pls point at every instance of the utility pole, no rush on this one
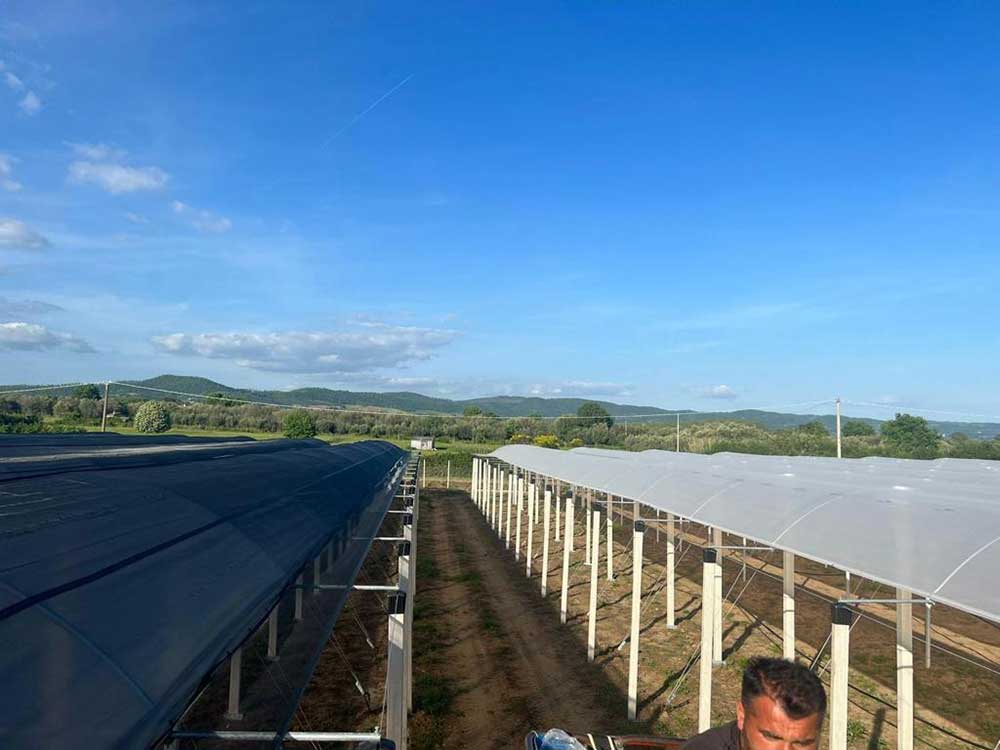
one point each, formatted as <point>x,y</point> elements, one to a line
<point>104,414</point>
<point>839,453</point>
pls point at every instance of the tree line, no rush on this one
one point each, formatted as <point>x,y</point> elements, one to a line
<point>905,436</point>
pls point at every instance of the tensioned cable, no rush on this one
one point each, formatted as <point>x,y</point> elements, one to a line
<point>896,407</point>
<point>41,388</point>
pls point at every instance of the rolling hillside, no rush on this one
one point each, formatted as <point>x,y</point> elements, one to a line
<point>504,406</point>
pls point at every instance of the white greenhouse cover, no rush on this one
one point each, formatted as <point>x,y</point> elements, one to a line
<point>929,526</point>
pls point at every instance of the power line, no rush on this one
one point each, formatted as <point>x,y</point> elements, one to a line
<point>40,388</point>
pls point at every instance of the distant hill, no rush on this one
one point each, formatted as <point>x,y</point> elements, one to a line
<point>504,406</point>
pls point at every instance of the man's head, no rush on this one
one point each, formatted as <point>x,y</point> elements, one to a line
<point>782,706</point>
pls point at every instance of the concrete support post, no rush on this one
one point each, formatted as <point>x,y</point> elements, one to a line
<point>707,638</point>
<point>567,550</point>
<point>558,503</point>
<point>520,513</point>
<point>299,583</point>
<point>788,607</point>
<point>717,592</point>
<point>671,570</point>
<point>235,677</point>
<point>473,486</point>
<point>404,561</point>
<point>595,555</point>
<point>840,641</point>
<point>395,700</point>
<point>272,633</point>
<point>611,542</point>
<point>586,557</point>
<point>546,510</point>
<point>570,536</point>
<point>510,499</point>
<point>633,642</point>
<point>411,600</point>
<point>904,671</point>
<point>531,529</point>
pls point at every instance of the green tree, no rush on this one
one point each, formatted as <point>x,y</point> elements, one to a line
<point>152,416</point>
<point>87,391</point>
<point>910,436</point>
<point>815,427</point>
<point>299,423</point>
<point>857,428</point>
<point>472,411</point>
<point>594,413</point>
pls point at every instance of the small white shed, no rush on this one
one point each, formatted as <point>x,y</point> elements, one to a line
<point>424,443</point>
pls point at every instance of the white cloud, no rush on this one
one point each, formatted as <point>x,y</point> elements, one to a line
<point>717,391</point>
<point>96,151</point>
<point>136,218</point>
<point>30,104</point>
<point>33,337</point>
<point>13,82</point>
<point>203,221</point>
<point>117,178</point>
<point>16,235</point>
<point>7,182</point>
<point>379,346</point>
<point>22,308</point>
<point>579,389</point>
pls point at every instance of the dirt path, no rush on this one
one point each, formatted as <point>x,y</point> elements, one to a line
<point>505,674</point>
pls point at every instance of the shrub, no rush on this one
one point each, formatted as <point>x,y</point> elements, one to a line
<point>152,416</point>
<point>547,441</point>
<point>299,424</point>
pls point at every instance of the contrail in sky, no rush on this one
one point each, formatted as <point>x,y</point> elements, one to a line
<point>364,112</point>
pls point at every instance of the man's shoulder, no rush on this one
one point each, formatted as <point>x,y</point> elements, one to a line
<point>725,737</point>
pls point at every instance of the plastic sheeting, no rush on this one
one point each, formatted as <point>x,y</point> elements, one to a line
<point>130,568</point>
<point>929,526</point>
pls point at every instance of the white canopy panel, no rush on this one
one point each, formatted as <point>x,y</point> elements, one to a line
<point>930,526</point>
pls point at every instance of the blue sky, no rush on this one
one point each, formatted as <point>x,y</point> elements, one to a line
<point>690,205</point>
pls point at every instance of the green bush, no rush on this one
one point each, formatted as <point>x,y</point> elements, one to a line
<point>547,441</point>
<point>299,424</point>
<point>20,423</point>
<point>152,416</point>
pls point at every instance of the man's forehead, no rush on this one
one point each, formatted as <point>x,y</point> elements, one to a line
<point>770,714</point>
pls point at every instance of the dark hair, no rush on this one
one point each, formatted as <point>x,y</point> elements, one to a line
<point>796,689</point>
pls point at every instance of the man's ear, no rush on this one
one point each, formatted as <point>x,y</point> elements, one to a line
<point>741,715</point>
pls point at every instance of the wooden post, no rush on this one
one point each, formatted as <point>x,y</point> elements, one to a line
<point>707,637</point>
<point>788,607</point>
<point>567,550</point>
<point>633,643</point>
<point>595,554</point>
